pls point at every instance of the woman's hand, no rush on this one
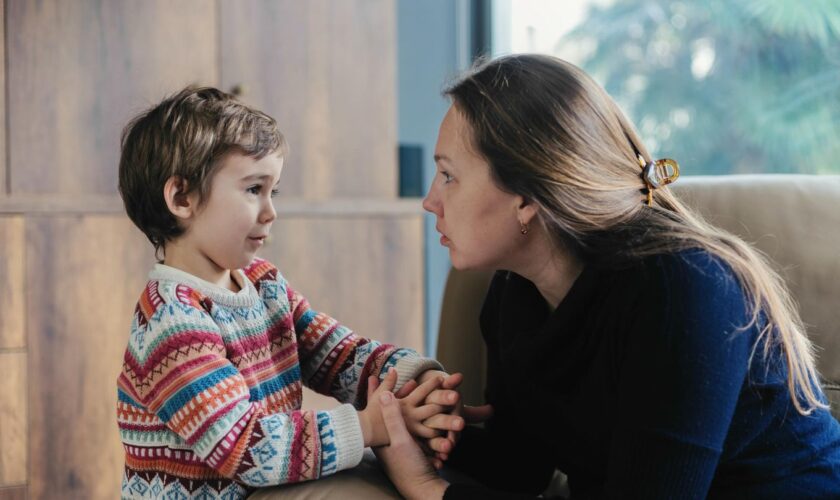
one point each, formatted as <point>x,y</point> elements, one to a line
<point>452,423</point>
<point>403,460</point>
<point>370,419</point>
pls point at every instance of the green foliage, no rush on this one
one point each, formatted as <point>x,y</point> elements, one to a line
<point>723,86</point>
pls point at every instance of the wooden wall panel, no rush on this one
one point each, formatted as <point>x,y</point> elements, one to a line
<point>77,71</point>
<point>365,272</point>
<point>326,70</point>
<point>3,164</point>
<point>84,275</point>
<point>16,493</point>
<point>11,283</point>
<point>13,415</point>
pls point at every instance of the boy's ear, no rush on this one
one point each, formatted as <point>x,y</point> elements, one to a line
<point>177,200</point>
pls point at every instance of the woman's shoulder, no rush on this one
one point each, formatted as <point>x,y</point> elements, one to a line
<point>696,273</point>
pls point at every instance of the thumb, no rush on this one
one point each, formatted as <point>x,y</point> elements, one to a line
<point>373,383</point>
<point>476,414</point>
<point>392,416</point>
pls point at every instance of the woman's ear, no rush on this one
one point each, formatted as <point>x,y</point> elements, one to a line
<point>181,204</point>
<point>526,211</point>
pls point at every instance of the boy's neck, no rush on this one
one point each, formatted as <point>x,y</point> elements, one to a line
<point>202,268</point>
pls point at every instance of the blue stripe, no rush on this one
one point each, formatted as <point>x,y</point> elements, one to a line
<point>329,453</point>
<point>123,397</point>
<point>276,383</point>
<point>187,393</point>
<point>304,320</point>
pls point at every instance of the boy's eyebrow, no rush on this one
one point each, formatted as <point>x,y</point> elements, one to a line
<point>439,158</point>
<point>258,177</point>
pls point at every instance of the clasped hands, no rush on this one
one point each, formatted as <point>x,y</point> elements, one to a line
<point>431,409</point>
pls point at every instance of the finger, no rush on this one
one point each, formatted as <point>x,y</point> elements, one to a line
<point>443,397</point>
<point>422,443</point>
<point>392,416</point>
<point>453,436</point>
<point>406,389</point>
<point>419,394</point>
<point>373,383</point>
<point>420,430</point>
<point>440,445</point>
<point>477,414</point>
<point>444,422</point>
<point>453,381</point>
<point>390,380</point>
<point>421,413</point>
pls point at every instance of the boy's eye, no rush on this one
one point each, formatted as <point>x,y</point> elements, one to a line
<point>275,193</point>
<point>254,189</point>
<point>446,177</point>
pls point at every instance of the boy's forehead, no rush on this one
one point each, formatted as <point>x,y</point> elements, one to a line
<point>238,164</point>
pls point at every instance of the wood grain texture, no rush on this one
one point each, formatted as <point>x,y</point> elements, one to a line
<point>112,204</point>
<point>13,416</point>
<point>77,71</point>
<point>326,70</point>
<point>3,163</point>
<point>12,334</point>
<point>365,272</point>
<point>15,493</point>
<point>84,275</point>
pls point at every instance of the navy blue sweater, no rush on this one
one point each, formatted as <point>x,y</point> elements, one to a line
<point>640,385</point>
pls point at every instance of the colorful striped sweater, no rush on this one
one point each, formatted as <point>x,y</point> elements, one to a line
<point>209,397</point>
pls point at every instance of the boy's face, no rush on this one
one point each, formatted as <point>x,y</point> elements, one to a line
<point>235,219</point>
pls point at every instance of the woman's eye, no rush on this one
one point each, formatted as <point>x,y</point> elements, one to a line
<point>275,193</point>
<point>254,189</point>
<point>446,177</point>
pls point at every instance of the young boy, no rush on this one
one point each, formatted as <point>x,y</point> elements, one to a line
<point>210,390</point>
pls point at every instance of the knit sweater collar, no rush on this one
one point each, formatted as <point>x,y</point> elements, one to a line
<point>247,296</point>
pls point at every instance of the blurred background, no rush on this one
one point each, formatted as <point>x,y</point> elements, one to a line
<point>723,86</point>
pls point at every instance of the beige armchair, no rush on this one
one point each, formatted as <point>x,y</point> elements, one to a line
<point>795,219</point>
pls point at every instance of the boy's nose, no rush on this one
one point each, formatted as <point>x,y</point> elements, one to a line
<point>269,213</point>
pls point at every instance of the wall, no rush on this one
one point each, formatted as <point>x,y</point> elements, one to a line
<point>72,265</point>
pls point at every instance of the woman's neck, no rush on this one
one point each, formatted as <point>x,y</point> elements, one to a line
<point>553,271</point>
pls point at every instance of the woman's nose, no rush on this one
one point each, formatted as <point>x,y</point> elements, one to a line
<point>430,202</point>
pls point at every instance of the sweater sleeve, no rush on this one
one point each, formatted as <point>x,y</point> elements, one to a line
<point>201,397</point>
<point>683,371</point>
<point>337,362</point>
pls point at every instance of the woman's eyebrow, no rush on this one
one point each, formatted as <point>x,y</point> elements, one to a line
<point>440,158</point>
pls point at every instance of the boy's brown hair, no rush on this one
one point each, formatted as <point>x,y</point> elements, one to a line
<point>185,136</point>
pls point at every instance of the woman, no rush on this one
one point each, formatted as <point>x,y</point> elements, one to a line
<point>630,344</point>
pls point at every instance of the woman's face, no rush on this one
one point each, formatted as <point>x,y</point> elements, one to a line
<point>478,222</point>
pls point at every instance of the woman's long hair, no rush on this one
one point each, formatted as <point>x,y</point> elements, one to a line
<point>552,135</point>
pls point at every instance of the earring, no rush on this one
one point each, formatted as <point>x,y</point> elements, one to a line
<point>523,228</point>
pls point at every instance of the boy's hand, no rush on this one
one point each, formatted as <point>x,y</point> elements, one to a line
<point>413,404</point>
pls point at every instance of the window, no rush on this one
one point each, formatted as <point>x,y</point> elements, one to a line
<point>723,86</point>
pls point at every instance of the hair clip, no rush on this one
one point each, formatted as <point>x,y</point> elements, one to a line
<point>657,174</point>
